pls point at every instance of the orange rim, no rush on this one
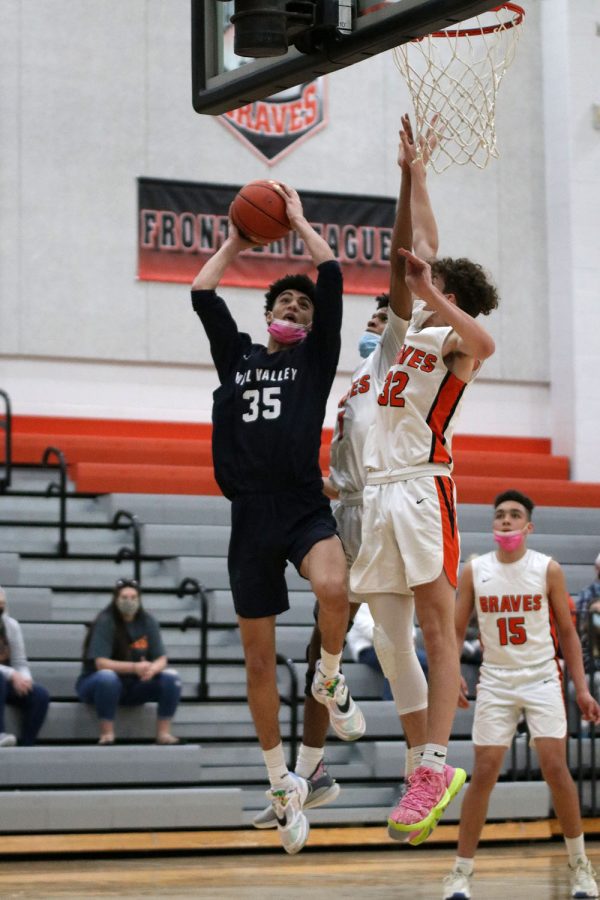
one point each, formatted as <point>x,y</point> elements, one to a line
<point>517,19</point>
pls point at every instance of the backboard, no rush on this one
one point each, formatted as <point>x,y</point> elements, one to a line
<point>222,81</point>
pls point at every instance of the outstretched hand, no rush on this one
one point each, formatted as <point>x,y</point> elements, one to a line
<point>411,153</point>
<point>293,204</point>
<point>236,237</point>
<point>418,273</point>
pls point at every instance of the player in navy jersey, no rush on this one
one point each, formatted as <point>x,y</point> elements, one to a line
<point>379,346</point>
<point>267,417</point>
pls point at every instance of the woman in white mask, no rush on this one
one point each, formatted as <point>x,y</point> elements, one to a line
<point>125,664</point>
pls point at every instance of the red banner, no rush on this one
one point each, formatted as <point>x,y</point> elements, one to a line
<point>182,224</point>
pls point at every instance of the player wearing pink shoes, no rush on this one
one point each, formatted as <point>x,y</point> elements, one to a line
<point>379,346</point>
<point>410,533</point>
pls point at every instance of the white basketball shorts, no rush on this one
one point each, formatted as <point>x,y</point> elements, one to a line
<point>349,523</point>
<point>504,694</point>
<point>410,535</point>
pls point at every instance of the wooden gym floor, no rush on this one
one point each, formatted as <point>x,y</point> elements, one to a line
<point>529,871</point>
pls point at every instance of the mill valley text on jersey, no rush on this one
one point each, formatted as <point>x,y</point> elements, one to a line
<point>269,407</point>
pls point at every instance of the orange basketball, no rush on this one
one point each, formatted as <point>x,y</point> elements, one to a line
<point>258,212</point>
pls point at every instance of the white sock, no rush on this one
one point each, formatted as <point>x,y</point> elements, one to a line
<point>465,865</point>
<point>329,664</point>
<point>308,760</point>
<point>434,757</point>
<point>277,769</point>
<point>413,759</point>
<point>575,849</point>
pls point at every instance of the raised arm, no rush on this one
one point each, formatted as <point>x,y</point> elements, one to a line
<point>425,239</point>
<point>214,268</point>
<point>400,296</point>
<point>319,249</point>
<point>475,341</point>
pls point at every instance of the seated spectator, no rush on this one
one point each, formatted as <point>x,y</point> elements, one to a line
<point>590,636</point>
<point>17,687</point>
<point>588,607</point>
<point>124,663</point>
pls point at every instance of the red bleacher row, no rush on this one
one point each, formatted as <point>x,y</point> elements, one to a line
<point>110,455</point>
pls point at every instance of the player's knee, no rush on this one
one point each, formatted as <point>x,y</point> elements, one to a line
<point>555,771</point>
<point>485,775</point>
<point>439,642</point>
<point>386,651</point>
<point>259,666</point>
<point>332,591</point>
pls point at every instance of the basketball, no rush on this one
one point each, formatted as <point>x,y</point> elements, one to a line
<point>258,212</point>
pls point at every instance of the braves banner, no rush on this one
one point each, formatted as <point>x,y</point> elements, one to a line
<point>273,127</point>
<point>182,223</point>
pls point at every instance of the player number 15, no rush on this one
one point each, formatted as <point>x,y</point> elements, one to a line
<point>512,630</point>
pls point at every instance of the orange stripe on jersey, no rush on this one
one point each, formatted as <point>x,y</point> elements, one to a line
<point>554,636</point>
<point>445,491</point>
<point>553,631</point>
<point>441,412</point>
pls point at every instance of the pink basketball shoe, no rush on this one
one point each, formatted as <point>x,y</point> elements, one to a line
<point>420,809</point>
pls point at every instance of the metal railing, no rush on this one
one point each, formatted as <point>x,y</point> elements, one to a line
<point>59,488</point>
<point>292,701</point>
<point>134,553</point>
<point>191,587</point>
<point>6,425</point>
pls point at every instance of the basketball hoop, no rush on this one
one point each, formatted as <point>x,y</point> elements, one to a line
<point>453,78</point>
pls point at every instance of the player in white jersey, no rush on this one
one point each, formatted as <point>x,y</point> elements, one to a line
<point>519,596</point>
<point>410,535</point>
<point>379,346</point>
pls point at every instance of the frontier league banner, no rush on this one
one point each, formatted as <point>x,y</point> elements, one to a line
<point>182,223</point>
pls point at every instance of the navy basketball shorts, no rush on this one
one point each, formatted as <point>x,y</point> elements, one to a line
<point>267,530</point>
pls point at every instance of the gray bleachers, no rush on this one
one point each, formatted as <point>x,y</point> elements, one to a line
<point>83,510</point>
<point>178,509</point>
<point>547,519</point>
<point>224,681</point>
<point>106,810</point>
<point>55,599</point>
<point>70,766</point>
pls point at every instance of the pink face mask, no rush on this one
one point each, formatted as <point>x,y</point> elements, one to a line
<point>286,332</point>
<point>509,540</point>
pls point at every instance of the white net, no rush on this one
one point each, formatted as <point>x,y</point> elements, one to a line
<point>453,78</point>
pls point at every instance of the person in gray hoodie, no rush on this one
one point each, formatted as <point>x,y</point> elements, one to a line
<point>17,687</point>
